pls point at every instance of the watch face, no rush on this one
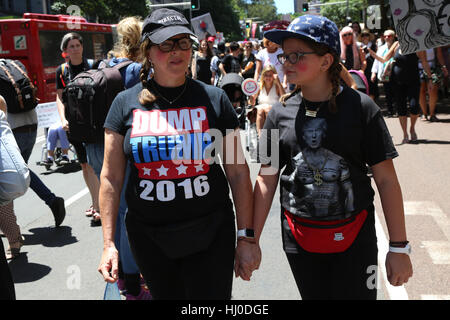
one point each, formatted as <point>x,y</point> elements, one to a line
<point>250,233</point>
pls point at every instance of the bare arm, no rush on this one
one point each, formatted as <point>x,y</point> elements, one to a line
<point>194,66</point>
<point>61,110</point>
<point>222,69</point>
<point>111,181</point>
<point>264,191</point>
<point>347,78</point>
<point>398,265</point>
<point>362,58</point>
<point>258,69</point>
<point>440,58</point>
<point>248,255</point>
<point>388,55</point>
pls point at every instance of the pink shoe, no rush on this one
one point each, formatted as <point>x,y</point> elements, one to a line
<point>143,295</point>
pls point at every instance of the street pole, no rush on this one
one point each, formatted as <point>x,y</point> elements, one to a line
<point>348,18</point>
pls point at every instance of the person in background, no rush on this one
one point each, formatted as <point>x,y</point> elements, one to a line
<point>201,63</point>
<point>269,92</point>
<point>72,46</point>
<point>8,219</point>
<point>356,27</point>
<point>267,56</point>
<point>378,68</point>
<point>366,40</point>
<point>406,81</point>
<point>231,62</point>
<point>180,219</point>
<point>352,55</point>
<point>57,133</point>
<point>248,64</point>
<point>215,62</point>
<point>431,85</point>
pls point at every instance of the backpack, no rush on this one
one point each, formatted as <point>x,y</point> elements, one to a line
<point>16,87</point>
<point>87,99</point>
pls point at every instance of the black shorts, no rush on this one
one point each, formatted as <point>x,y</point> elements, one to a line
<point>80,150</point>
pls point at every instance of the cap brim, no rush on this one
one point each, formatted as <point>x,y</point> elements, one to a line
<point>277,36</point>
<point>163,34</point>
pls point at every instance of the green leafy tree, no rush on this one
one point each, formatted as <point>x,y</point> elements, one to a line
<point>103,11</point>
<point>338,12</point>
<point>224,15</point>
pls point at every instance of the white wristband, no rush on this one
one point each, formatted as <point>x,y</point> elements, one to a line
<point>406,249</point>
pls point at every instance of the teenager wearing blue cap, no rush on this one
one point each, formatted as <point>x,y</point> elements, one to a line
<point>328,134</point>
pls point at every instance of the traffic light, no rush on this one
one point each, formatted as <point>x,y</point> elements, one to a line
<point>247,25</point>
<point>195,4</point>
<point>305,7</point>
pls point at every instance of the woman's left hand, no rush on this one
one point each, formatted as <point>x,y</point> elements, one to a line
<point>399,268</point>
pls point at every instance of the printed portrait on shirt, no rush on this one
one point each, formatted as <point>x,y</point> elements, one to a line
<point>319,185</point>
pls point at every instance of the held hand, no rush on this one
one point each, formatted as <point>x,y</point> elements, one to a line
<point>109,265</point>
<point>247,259</point>
<point>399,268</point>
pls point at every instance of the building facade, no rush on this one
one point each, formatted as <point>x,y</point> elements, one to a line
<point>19,7</point>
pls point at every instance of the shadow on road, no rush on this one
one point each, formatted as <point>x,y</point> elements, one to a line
<point>65,169</point>
<point>22,271</point>
<point>50,237</point>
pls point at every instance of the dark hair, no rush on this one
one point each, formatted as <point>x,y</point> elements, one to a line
<point>334,74</point>
<point>70,36</point>
<point>234,46</point>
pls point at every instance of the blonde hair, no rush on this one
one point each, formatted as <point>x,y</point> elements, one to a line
<point>129,30</point>
<point>266,69</point>
<point>146,97</point>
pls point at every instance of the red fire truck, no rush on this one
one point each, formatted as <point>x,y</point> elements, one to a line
<point>35,41</point>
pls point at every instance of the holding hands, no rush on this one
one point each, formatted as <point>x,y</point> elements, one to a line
<point>247,258</point>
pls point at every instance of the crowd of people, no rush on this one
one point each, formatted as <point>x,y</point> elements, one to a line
<point>166,214</point>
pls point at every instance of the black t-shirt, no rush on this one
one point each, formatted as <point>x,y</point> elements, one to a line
<point>325,158</point>
<point>231,64</point>
<point>71,73</point>
<point>171,178</point>
<point>245,61</point>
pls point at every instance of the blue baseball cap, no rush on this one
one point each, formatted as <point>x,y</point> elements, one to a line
<point>310,27</point>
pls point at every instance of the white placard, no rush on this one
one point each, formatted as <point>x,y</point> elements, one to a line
<point>421,24</point>
<point>249,87</point>
<point>47,114</point>
<point>203,25</point>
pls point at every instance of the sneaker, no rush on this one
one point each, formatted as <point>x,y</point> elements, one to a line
<point>433,118</point>
<point>58,210</point>
<point>48,162</point>
<point>143,295</point>
<point>64,160</point>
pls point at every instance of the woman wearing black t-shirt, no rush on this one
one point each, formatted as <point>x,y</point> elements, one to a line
<point>405,79</point>
<point>201,64</point>
<point>180,219</point>
<point>324,138</point>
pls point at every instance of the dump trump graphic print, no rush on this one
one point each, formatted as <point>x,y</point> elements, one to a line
<point>170,145</point>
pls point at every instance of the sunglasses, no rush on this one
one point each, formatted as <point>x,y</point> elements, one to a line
<point>169,45</point>
<point>293,57</point>
<point>388,36</point>
<point>347,34</point>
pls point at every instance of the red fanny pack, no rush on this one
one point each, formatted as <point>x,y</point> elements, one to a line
<point>325,236</point>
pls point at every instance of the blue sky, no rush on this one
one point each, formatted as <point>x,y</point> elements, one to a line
<point>285,6</point>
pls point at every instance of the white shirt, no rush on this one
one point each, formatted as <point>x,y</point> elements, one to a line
<point>271,58</point>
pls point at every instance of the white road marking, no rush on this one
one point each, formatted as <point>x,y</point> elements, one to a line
<point>74,198</point>
<point>40,139</point>
<point>395,293</point>
<point>439,251</point>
